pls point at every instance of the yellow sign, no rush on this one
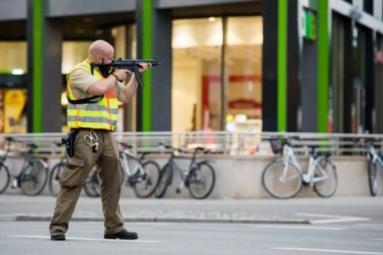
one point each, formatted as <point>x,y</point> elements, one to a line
<point>14,102</point>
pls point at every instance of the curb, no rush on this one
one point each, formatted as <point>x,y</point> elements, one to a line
<point>19,217</point>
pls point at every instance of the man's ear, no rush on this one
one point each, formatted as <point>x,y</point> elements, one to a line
<point>98,59</point>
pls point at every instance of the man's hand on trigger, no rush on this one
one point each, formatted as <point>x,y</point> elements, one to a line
<point>121,74</point>
<point>144,67</point>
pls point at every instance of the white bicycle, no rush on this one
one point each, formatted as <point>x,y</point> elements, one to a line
<point>284,177</point>
<point>375,168</point>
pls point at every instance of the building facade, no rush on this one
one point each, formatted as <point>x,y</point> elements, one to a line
<point>236,65</point>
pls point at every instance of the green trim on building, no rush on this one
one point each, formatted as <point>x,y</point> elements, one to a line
<point>310,25</point>
<point>323,66</point>
<point>37,68</point>
<point>147,52</point>
<point>282,66</point>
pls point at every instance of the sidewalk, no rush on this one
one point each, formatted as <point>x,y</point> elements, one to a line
<point>263,211</point>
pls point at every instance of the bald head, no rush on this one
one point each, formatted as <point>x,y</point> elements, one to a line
<point>100,51</point>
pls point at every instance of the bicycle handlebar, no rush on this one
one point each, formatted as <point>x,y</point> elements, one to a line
<point>10,140</point>
<point>195,150</point>
<point>287,140</point>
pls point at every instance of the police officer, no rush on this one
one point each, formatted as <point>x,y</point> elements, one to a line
<point>92,115</point>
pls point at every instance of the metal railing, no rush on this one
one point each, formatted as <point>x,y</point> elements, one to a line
<point>220,143</point>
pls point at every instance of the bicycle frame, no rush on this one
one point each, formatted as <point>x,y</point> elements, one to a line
<point>126,154</point>
<point>183,174</point>
<point>27,162</point>
<point>16,177</point>
<point>375,157</point>
<point>313,164</point>
<point>308,177</point>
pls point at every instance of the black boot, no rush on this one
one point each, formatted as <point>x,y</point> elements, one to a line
<point>57,235</point>
<point>123,234</point>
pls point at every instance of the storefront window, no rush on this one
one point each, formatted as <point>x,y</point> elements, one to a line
<point>126,46</point>
<point>244,74</point>
<point>198,51</point>
<point>12,95</point>
<point>196,82</point>
<point>73,53</point>
<point>14,57</point>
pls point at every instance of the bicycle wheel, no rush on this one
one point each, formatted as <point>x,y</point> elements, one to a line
<point>166,176</point>
<point>54,179</point>
<point>326,187</point>
<point>92,184</point>
<point>281,181</point>
<point>373,176</point>
<point>145,184</point>
<point>5,178</point>
<point>34,178</point>
<point>201,181</point>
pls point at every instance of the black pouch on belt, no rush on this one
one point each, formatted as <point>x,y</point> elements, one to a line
<point>69,141</point>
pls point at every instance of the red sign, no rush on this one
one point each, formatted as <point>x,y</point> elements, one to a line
<point>244,104</point>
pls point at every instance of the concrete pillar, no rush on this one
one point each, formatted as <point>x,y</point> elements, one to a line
<point>44,38</point>
<point>154,40</point>
<point>269,68</point>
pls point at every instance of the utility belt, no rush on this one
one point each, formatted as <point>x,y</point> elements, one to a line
<point>91,139</point>
<point>89,129</point>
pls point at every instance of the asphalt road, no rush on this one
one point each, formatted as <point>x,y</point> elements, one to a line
<point>348,225</point>
<point>194,238</point>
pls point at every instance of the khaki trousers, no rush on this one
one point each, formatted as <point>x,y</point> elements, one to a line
<point>75,172</point>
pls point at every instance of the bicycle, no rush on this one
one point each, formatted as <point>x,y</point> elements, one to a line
<point>284,177</point>
<point>33,175</point>
<point>55,173</point>
<point>375,167</point>
<point>141,174</point>
<point>199,178</point>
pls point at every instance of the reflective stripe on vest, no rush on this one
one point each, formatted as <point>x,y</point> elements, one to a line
<point>101,115</point>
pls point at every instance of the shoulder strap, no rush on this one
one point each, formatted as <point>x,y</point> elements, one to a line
<point>88,100</point>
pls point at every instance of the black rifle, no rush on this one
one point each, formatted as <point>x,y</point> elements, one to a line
<point>130,64</point>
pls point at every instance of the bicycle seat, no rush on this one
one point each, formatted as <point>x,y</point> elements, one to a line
<point>126,146</point>
<point>297,138</point>
<point>312,149</point>
<point>182,150</point>
<point>32,146</point>
<point>164,145</point>
<point>201,149</point>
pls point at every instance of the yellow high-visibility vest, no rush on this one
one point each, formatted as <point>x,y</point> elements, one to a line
<point>100,115</point>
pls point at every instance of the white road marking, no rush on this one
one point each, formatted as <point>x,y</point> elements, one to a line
<point>328,251</point>
<point>331,218</point>
<point>11,215</point>
<point>306,227</point>
<point>83,239</point>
